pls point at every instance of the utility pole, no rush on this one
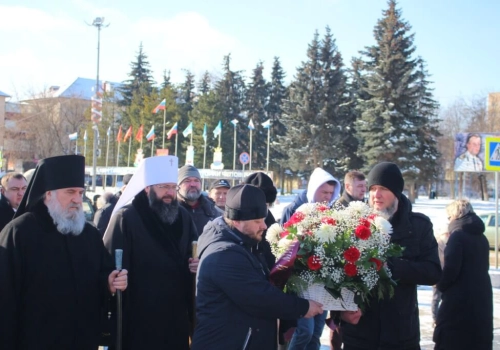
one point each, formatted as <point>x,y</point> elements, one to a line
<point>97,101</point>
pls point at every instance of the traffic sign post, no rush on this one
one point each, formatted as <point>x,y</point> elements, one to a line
<point>244,159</point>
<point>492,163</point>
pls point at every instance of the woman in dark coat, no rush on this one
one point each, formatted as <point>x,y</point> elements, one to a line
<point>465,317</point>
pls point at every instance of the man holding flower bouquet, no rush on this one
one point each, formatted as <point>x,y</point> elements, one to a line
<point>237,306</point>
<point>393,323</point>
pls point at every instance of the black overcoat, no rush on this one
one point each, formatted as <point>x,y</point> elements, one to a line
<point>160,289</point>
<point>52,286</point>
<point>465,317</point>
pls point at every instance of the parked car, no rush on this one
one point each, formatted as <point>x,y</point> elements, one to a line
<point>88,209</point>
<point>490,230</point>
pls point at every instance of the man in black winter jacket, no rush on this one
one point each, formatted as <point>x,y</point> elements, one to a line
<point>393,323</point>
<point>237,307</point>
<point>13,187</point>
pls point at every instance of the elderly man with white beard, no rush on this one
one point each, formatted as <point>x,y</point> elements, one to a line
<point>156,236</point>
<point>55,274</point>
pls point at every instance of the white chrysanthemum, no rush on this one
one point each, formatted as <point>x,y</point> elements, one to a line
<point>284,243</point>
<point>359,208</point>
<point>325,233</point>
<point>273,233</point>
<point>306,208</point>
<point>383,225</point>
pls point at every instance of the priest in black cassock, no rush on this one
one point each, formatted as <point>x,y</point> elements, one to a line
<point>156,236</point>
<point>55,273</point>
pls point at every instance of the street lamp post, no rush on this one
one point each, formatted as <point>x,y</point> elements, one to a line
<point>98,23</point>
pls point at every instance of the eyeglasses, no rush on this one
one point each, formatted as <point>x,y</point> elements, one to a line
<point>167,187</point>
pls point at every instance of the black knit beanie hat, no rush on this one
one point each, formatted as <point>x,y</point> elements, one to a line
<point>245,202</point>
<point>264,182</point>
<point>388,175</point>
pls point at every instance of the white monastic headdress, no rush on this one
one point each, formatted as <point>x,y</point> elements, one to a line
<point>151,171</point>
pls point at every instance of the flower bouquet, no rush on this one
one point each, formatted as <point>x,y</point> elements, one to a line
<point>334,256</point>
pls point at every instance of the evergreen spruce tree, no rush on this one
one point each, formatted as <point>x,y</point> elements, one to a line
<point>301,113</point>
<point>141,80</point>
<point>336,116</point>
<point>230,91</point>
<point>205,84</point>
<point>278,92</point>
<point>166,80</point>
<point>257,96</point>
<point>391,126</point>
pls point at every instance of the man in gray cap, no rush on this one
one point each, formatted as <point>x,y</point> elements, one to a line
<point>201,209</point>
<point>393,323</point>
<point>237,307</point>
<point>55,273</point>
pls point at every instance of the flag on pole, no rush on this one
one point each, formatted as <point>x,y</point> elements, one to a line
<point>205,133</point>
<point>119,136</point>
<point>267,124</point>
<point>172,131</point>
<point>127,134</point>
<point>151,134</point>
<point>161,106</point>
<point>234,122</point>
<point>250,125</point>
<point>85,136</point>
<point>73,136</point>
<point>189,130</point>
<point>107,132</point>
<point>139,135</point>
<point>218,129</point>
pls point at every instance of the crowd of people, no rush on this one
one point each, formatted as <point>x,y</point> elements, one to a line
<point>195,268</point>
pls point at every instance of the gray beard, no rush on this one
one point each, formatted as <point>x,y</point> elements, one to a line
<point>167,212</point>
<point>67,222</point>
<point>192,197</point>
<point>389,212</point>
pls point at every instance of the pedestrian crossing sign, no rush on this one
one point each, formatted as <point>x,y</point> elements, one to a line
<point>492,153</point>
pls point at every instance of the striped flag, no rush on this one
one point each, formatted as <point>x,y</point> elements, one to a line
<point>250,125</point>
<point>205,132</point>
<point>128,134</point>
<point>85,136</point>
<point>161,106</point>
<point>218,129</point>
<point>234,122</point>
<point>73,136</point>
<point>172,131</point>
<point>267,124</point>
<point>151,134</point>
<point>189,130</point>
<point>119,136</point>
<point>107,132</point>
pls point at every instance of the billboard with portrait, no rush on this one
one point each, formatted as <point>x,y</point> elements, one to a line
<point>470,151</point>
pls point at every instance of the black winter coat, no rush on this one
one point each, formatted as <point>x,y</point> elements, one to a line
<point>6,212</point>
<point>52,286</point>
<point>465,317</point>
<point>234,294</point>
<point>160,290</point>
<point>203,212</point>
<point>393,323</point>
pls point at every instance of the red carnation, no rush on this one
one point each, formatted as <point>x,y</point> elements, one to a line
<point>365,222</point>
<point>372,217</point>
<point>328,221</point>
<point>322,207</point>
<point>314,263</point>
<point>362,232</point>
<point>350,270</point>
<point>377,262</point>
<point>352,254</point>
<point>308,233</point>
<point>284,234</point>
<point>294,219</point>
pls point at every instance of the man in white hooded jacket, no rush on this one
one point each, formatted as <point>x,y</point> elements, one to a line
<point>322,188</point>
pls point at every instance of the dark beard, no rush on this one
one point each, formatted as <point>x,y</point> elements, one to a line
<point>167,212</point>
